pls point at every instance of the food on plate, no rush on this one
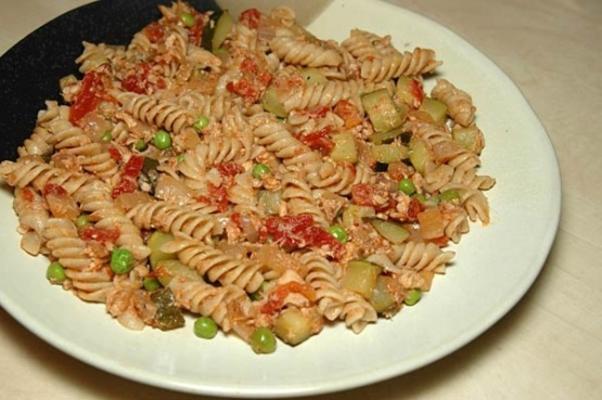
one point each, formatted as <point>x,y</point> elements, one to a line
<point>248,173</point>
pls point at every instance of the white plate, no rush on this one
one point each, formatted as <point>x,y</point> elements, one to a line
<point>495,265</point>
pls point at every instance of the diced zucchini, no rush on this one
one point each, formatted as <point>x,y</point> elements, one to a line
<point>419,155</point>
<point>156,240</point>
<point>150,164</point>
<point>353,214</point>
<point>166,270</point>
<point>383,137</point>
<point>292,326</point>
<point>389,153</point>
<point>345,148</point>
<point>382,299</point>
<point>222,54</point>
<point>469,138</point>
<point>360,277</point>
<point>392,231</point>
<point>431,222</point>
<point>269,201</point>
<point>313,76</point>
<point>271,103</point>
<point>409,91</point>
<point>381,110</point>
<point>436,109</point>
<point>223,26</point>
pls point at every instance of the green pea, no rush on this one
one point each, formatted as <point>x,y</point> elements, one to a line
<point>339,233</point>
<point>151,284</point>
<point>56,273</point>
<point>106,137</point>
<point>407,186</point>
<point>187,19</point>
<point>162,140</point>
<point>413,297</point>
<point>201,123</point>
<point>140,145</point>
<point>263,341</point>
<point>122,261</point>
<point>82,221</point>
<point>205,328</point>
<point>260,170</point>
<point>449,195</point>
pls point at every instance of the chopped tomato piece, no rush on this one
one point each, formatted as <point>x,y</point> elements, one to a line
<point>318,140</point>
<point>348,112</point>
<point>126,185</point>
<point>114,153</point>
<point>195,35</point>
<point>417,91</point>
<point>218,196</point>
<point>229,169</point>
<point>361,194</point>
<point>154,32</point>
<point>243,88</point>
<point>248,65</point>
<point>250,18</point>
<point>364,194</point>
<point>295,232</point>
<point>264,78</point>
<point>319,112</point>
<point>27,194</point>
<point>134,166</point>
<point>277,296</point>
<point>235,217</point>
<point>90,95</point>
<point>137,80</point>
<point>100,235</point>
<point>57,190</point>
<point>414,209</point>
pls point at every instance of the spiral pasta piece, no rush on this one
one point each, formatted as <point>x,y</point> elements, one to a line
<point>207,300</point>
<point>32,170</point>
<point>419,62</point>
<point>159,113</point>
<point>357,312</point>
<point>71,139</point>
<point>458,102</point>
<point>340,178</point>
<point>33,216</point>
<point>300,200</point>
<point>322,276</point>
<point>90,281</point>
<point>277,139</point>
<point>95,198</point>
<point>365,45</point>
<point>421,256</point>
<point>216,265</point>
<point>301,52</point>
<point>193,221</point>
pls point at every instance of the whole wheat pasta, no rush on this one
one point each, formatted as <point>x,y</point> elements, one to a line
<point>263,179</point>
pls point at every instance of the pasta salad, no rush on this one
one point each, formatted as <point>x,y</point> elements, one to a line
<point>245,172</point>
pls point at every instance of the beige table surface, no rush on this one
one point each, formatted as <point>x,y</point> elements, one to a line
<point>550,345</point>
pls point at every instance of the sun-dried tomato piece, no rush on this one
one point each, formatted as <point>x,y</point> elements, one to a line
<point>229,169</point>
<point>154,32</point>
<point>100,234</point>
<point>52,189</point>
<point>250,18</point>
<point>90,95</point>
<point>318,140</point>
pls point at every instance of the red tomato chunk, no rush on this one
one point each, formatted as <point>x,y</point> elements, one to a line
<point>250,18</point>
<point>90,95</point>
<point>100,235</point>
<point>296,232</point>
<point>278,295</point>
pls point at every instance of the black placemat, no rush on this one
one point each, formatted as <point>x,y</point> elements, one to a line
<point>30,70</point>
